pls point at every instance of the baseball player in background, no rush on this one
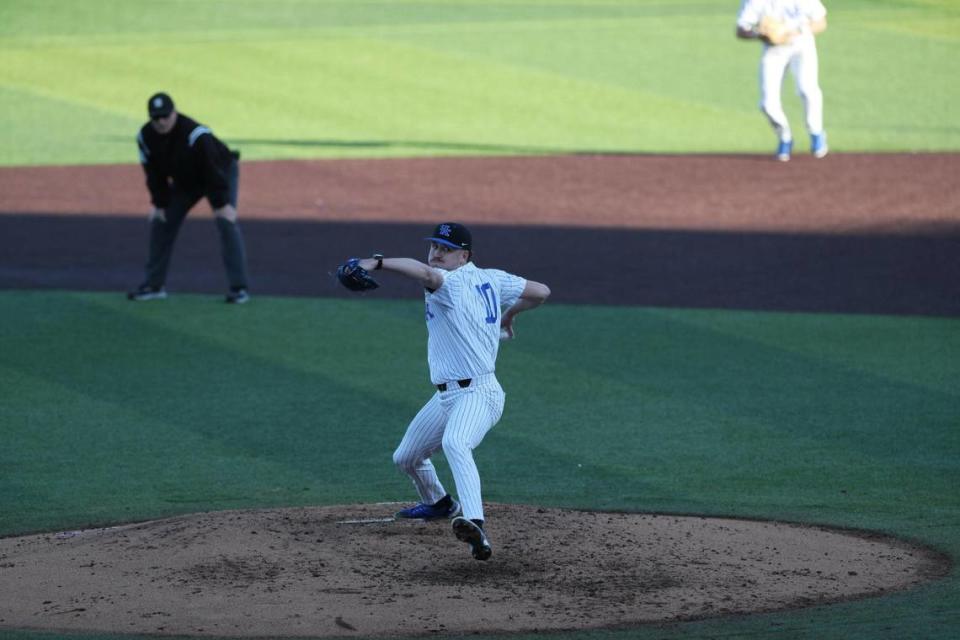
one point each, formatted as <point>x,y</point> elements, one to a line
<point>184,162</point>
<point>788,29</point>
<point>465,323</point>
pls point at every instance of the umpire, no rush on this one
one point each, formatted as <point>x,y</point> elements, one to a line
<point>184,162</point>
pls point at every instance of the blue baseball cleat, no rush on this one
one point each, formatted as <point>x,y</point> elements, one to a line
<point>818,144</point>
<point>442,510</point>
<point>784,149</point>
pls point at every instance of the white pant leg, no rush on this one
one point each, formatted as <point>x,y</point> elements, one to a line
<point>805,67</point>
<point>473,412</point>
<point>773,64</point>
<point>422,439</point>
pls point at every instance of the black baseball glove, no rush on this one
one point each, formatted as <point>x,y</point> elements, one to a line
<point>354,277</point>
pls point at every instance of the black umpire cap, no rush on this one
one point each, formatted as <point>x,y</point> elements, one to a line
<point>160,105</point>
<point>453,235</point>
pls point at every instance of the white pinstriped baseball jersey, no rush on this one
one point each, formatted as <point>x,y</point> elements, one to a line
<point>463,321</point>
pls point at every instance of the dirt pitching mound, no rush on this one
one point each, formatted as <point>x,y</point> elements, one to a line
<point>340,570</point>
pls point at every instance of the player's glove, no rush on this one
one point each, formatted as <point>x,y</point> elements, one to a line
<point>354,277</point>
<point>773,31</point>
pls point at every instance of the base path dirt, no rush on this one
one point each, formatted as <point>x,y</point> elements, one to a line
<point>342,570</point>
<point>843,193</point>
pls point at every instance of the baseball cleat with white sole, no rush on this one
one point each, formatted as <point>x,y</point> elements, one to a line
<point>818,145</point>
<point>470,532</point>
<point>784,149</point>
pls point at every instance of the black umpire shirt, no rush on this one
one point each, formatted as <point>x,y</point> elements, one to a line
<point>189,159</point>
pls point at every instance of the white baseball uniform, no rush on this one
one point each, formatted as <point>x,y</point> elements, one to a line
<point>463,323</point>
<point>800,55</point>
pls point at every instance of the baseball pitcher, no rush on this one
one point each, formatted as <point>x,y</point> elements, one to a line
<point>468,311</point>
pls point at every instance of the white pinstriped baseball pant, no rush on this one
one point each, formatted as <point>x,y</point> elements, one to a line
<point>801,57</point>
<point>455,420</point>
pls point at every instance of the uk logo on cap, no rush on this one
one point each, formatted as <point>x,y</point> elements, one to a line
<point>451,234</point>
<point>157,102</point>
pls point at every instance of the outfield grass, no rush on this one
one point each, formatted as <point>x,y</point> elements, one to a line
<point>117,412</point>
<point>289,79</point>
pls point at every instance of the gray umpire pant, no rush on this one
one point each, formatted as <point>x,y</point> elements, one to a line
<point>163,236</point>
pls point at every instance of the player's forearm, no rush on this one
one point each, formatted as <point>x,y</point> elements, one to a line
<point>413,269</point>
<point>520,306</point>
<point>818,26</point>
<point>157,186</point>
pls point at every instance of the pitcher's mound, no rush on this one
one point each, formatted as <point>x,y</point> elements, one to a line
<point>334,571</point>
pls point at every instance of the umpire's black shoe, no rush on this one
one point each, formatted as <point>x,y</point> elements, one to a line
<point>237,296</point>
<point>146,292</point>
<point>471,532</point>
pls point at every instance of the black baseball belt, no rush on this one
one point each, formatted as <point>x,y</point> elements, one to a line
<point>463,384</point>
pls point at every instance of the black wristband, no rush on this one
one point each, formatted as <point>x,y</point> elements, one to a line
<point>379,258</point>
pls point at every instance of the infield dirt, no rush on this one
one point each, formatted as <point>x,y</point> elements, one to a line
<point>318,572</point>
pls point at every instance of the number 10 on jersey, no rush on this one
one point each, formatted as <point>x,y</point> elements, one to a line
<point>489,301</point>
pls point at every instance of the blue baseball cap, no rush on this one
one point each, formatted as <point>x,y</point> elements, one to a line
<point>453,235</point>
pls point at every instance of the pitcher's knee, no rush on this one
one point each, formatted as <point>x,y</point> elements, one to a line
<point>404,461</point>
<point>455,448</point>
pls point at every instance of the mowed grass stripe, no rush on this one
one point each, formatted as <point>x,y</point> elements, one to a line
<point>325,388</point>
<point>562,77</point>
<point>379,96</point>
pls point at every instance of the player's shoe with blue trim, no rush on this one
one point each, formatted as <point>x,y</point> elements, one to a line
<point>784,149</point>
<point>442,510</point>
<point>470,532</point>
<point>818,144</point>
<point>146,292</point>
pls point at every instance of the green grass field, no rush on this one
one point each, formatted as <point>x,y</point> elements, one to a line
<point>111,412</point>
<point>117,412</point>
<point>293,78</point>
